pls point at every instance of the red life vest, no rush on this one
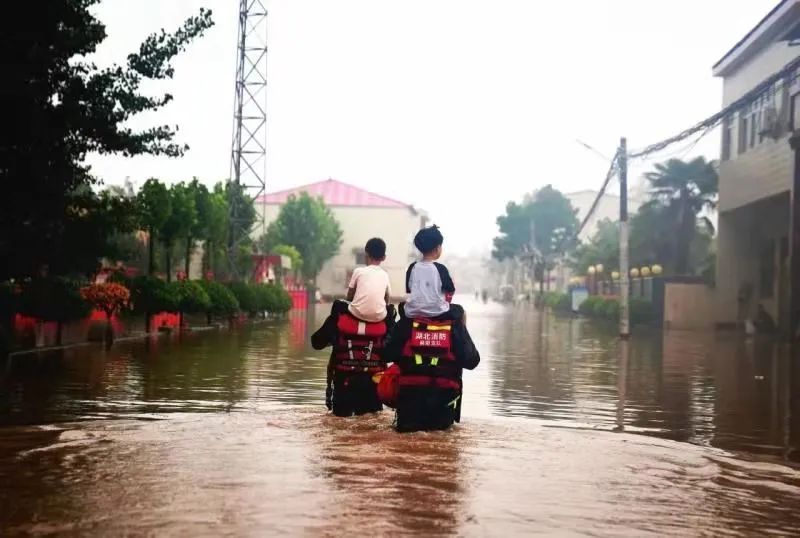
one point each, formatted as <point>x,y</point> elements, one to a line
<point>428,355</point>
<point>359,345</point>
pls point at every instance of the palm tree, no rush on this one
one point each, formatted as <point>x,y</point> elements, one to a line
<point>685,190</point>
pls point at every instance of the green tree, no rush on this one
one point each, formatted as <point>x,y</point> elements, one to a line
<point>57,107</point>
<point>549,216</point>
<point>203,213</point>
<point>308,225</point>
<point>216,218</point>
<point>602,247</point>
<point>155,207</point>
<point>182,218</point>
<point>292,253</point>
<point>238,228</point>
<point>686,189</point>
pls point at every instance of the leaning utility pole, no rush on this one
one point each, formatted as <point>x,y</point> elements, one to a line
<point>624,285</point>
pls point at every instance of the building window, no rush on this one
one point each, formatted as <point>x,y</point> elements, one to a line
<point>727,138</point>
<point>754,116</point>
<point>767,271</point>
<point>795,111</point>
<point>744,122</point>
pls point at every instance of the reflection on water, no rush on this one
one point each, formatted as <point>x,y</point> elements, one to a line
<point>703,388</point>
<point>565,429</point>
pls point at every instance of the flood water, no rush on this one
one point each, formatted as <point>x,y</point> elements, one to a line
<point>564,432</point>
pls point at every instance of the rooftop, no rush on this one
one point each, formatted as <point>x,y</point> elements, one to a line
<point>336,193</point>
<point>778,25</point>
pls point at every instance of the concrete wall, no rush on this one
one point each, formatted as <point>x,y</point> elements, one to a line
<point>396,226</point>
<point>688,306</point>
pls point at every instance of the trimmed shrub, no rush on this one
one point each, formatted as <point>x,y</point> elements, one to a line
<point>223,302</point>
<point>151,295</point>
<point>53,299</point>
<point>192,297</point>
<point>589,306</point>
<point>559,302</point>
<point>609,309</point>
<point>245,296</point>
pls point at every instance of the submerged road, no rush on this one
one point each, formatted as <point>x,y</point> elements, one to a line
<point>563,433</point>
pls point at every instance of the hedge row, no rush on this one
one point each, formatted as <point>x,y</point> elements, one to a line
<point>59,299</point>
<point>641,311</point>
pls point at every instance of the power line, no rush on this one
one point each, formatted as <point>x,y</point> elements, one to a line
<point>609,175</point>
<point>712,121</point>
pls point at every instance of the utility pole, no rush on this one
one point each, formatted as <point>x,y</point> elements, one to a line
<point>624,291</point>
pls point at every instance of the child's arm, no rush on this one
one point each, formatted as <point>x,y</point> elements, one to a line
<point>351,288</point>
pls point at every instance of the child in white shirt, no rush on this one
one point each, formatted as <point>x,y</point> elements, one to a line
<point>369,288</point>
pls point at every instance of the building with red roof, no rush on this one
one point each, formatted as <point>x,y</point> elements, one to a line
<point>362,215</point>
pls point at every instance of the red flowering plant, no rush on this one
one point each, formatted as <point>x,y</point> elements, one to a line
<point>109,297</point>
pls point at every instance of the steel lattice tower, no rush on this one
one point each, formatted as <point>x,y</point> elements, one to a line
<point>249,146</point>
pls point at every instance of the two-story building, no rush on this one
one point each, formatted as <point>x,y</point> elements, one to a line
<point>361,215</point>
<point>756,172</point>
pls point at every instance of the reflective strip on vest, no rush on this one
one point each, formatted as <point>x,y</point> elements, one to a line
<point>418,359</point>
<point>434,361</point>
<point>350,349</point>
<point>362,328</point>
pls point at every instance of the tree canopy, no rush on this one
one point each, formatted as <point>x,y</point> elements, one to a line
<point>548,213</point>
<point>308,225</point>
<point>58,107</point>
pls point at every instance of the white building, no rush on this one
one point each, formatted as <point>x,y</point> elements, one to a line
<point>757,167</point>
<point>361,215</point>
<point>607,208</point>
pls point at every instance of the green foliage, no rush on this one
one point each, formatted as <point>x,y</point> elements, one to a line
<point>603,248</point>
<point>641,311</point>
<point>309,226</point>
<point>559,302</point>
<point>293,254</point>
<point>223,301</point>
<point>551,218</point>
<point>272,298</point>
<point>589,307</point>
<point>151,295</point>
<point>53,299</point>
<point>245,296</point>
<point>683,190</point>
<point>59,106</point>
<point>668,229</point>
<point>192,297</point>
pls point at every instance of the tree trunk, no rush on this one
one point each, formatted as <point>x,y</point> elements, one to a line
<point>168,260</point>
<point>109,337</point>
<point>684,236</point>
<point>151,261</point>
<point>188,256</point>
<point>206,258</point>
<point>59,332</point>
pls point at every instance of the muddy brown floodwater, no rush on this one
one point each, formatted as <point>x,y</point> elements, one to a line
<point>564,432</point>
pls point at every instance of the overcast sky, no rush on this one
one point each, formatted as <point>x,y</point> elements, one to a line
<point>455,106</point>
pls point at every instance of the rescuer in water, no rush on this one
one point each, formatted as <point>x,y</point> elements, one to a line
<point>429,344</point>
<point>356,329</point>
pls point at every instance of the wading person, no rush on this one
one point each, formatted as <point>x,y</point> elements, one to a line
<point>430,344</point>
<point>356,329</point>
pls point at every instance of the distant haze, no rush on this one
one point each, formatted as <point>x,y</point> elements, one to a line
<point>455,106</point>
